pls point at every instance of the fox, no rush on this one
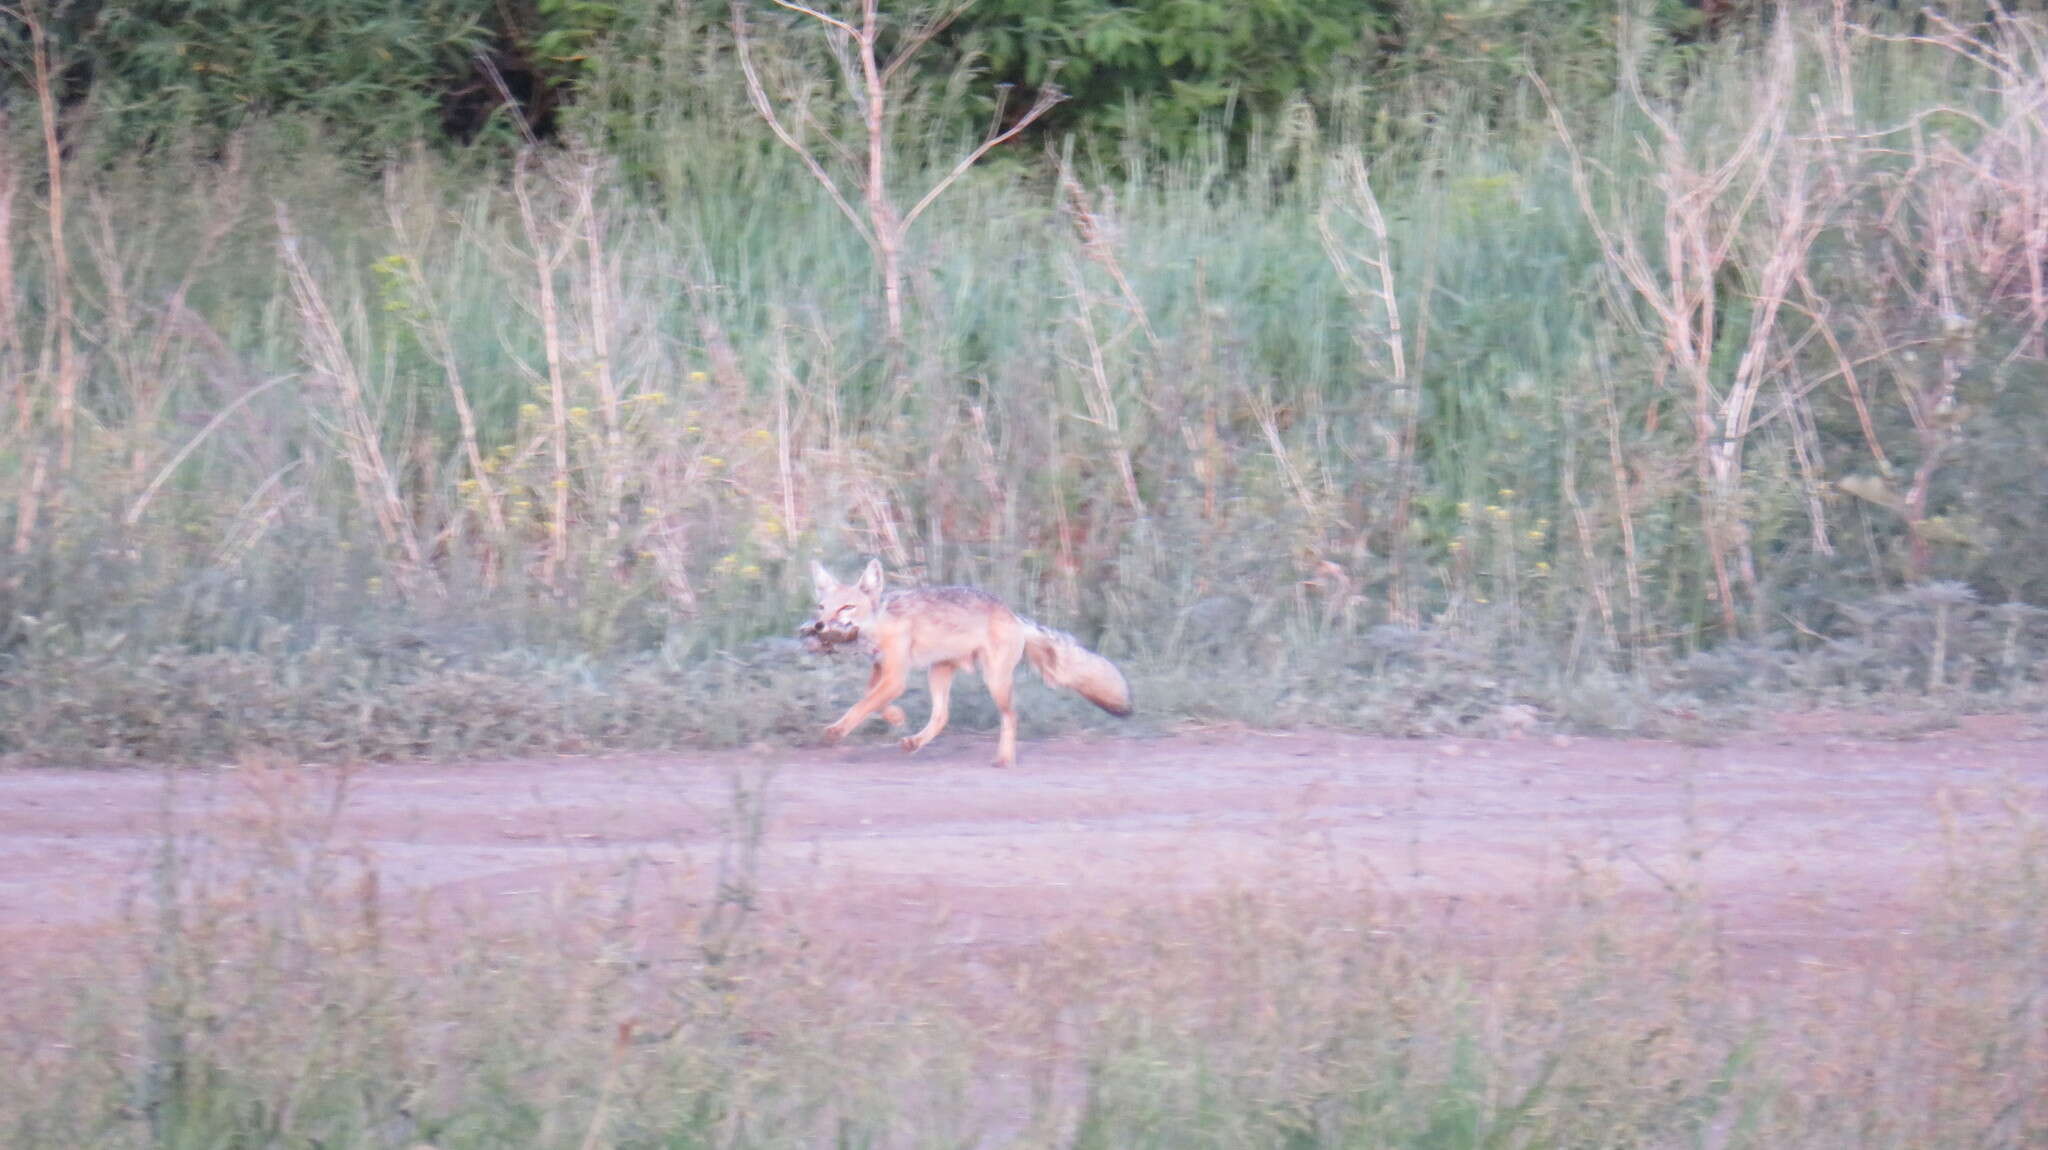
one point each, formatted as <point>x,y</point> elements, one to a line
<point>948,630</point>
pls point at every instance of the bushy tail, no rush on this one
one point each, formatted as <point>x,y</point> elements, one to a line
<point>1062,661</point>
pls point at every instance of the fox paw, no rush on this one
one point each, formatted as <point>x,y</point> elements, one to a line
<point>909,743</point>
<point>833,734</point>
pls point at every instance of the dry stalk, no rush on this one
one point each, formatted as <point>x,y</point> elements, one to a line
<point>547,256</point>
<point>1596,571</point>
<point>1069,563</point>
<point>1379,306</point>
<point>1097,234</point>
<point>1624,505</point>
<point>872,496</point>
<point>146,375</point>
<point>328,356</point>
<point>598,291</point>
<point>699,288</point>
<point>785,464</point>
<point>114,332</point>
<point>1262,411</point>
<point>431,326</point>
<point>1819,312</point>
<point>1807,451</point>
<point>673,480</point>
<point>998,507</point>
<point>1931,405</point>
<point>1100,395</point>
<point>61,323</point>
<point>255,516</point>
<point>1706,212</point>
<point>170,467</point>
<point>12,377</point>
<point>1966,231</point>
<point>29,500</point>
<point>58,326</point>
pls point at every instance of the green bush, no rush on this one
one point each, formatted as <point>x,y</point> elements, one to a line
<point>373,74</point>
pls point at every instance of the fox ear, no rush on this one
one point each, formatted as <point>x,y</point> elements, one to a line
<point>871,579</point>
<point>822,579</point>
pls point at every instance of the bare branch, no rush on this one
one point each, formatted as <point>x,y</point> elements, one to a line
<point>918,37</point>
<point>1048,97</point>
<point>163,475</point>
<point>511,105</point>
<point>759,96</point>
<point>1622,254</point>
<point>814,14</point>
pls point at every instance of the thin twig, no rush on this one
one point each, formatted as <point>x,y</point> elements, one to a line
<point>142,501</point>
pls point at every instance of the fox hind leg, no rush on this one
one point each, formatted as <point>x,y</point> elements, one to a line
<point>1000,675</point>
<point>942,693</point>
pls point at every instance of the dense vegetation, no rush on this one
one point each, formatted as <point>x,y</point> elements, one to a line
<point>1477,360</point>
<point>379,73</point>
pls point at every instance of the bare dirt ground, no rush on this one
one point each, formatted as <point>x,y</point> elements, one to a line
<point>1808,839</point>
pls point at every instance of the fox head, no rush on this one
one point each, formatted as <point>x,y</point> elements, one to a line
<point>844,610</point>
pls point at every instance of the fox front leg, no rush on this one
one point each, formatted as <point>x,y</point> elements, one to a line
<point>883,689</point>
<point>891,714</point>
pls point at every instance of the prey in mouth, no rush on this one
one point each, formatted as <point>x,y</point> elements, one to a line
<point>827,636</point>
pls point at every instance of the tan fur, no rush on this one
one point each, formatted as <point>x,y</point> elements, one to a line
<point>949,629</point>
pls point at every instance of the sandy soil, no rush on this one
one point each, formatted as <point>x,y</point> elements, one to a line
<point>1809,839</point>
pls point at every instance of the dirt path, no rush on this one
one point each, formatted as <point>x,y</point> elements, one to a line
<point>1809,843</point>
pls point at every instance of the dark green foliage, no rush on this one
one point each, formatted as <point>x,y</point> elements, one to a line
<point>1176,62</point>
<point>371,73</point>
<point>374,73</point>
